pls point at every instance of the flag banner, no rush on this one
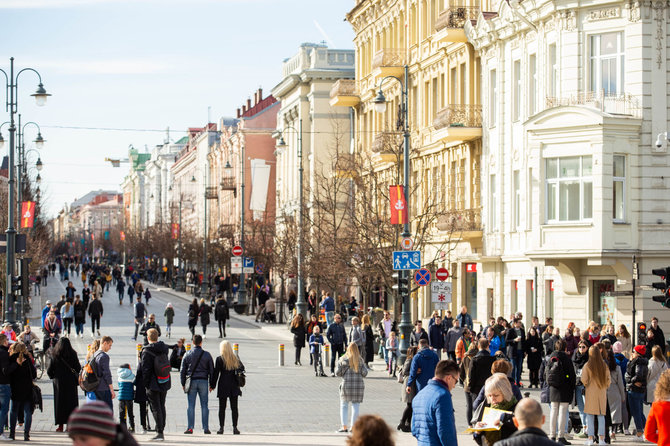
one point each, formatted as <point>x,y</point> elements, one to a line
<point>123,236</point>
<point>106,235</point>
<point>27,214</point>
<point>398,205</point>
<point>175,231</point>
<point>92,236</point>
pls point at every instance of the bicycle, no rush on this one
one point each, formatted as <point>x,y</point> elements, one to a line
<point>43,358</point>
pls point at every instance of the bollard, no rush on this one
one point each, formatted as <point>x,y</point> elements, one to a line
<point>188,347</point>
<point>138,347</point>
<point>326,354</point>
<point>236,349</point>
<point>281,355</point>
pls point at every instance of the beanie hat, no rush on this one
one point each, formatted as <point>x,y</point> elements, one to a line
<point>617,347</point>
<point>95,419</point>
<point>641,349</point>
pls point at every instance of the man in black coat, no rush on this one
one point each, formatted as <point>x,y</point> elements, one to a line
<point>480,367</point>
<point>156,391</point>
<point>337,337</point>
<point>529,419</point>
<point>148,325</point>
<point>221,314</point>
<point>659,337</point>
<point>562,395</point>
<point>418,334</point>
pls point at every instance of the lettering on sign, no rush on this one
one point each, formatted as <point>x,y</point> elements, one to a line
<point>604,14</point>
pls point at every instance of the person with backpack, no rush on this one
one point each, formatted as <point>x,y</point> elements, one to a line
<point>193,312</point>
<point>156,376</point>
<point>148,325</point>
<point>79,316</point>
<point>221,315</point>
<point>560,376</point>
<point>120,288</point>
<point>140,312</point>
<point>104,391</point>
<point>197,367</point>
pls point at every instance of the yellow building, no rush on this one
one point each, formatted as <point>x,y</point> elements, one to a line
<point>444,110</point>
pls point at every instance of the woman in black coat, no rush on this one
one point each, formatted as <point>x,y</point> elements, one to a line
<point>79,316</point>
<point>299,333</point>
<point>369,341</point>
<point>141,398</point>
<point>225,380</point>
<point>21,385</point>
<point>64,373</point>
<point>193,311</point>
<point>178,352</point>
<point>534,352</point>
<point>204,312</point>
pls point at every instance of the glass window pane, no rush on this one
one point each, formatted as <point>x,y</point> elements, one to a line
<point>608,43</point>
<point>552,168</point>
<point>619,166</point>
<point>569,167</point>
<point>551,201</point>
<point>588,200</point>
<point>618,200</point>
<point>569,201</point>
<point>587,163</point>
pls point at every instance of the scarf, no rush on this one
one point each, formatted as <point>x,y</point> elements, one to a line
<point>494,436</point>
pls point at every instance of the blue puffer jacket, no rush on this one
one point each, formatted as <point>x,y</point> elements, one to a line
<point>126,378</point>
<point>433,421</point>
<point>426,360</point>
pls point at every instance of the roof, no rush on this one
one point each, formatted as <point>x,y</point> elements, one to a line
<point>183,140</point>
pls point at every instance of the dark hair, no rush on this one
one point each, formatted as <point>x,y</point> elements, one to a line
<point>197,339</point>
<point>63,350</point>
<point>611,362</point>
<point>411,352</point>
<point>423,342</point>
<point>124,366</point>
<point>446,367</point>
<point>483,343</point>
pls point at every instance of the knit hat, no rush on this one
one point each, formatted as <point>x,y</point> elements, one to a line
<point>640,349</point>
<point>617,347</point>
<point>94,419</point>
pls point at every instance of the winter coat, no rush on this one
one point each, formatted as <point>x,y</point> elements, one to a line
<point>422,368</point>
<point>126,379</point>
<point>566,392</point>
<point>148,325</point>
<point>571,343</point>
<point>464,370</point>
<point>531,436</point>
<point>622,363</point>
<point>224,380</point>
<point>169,316</point>
<point>205,311</point>
<point>636,372</point>
<point>436,337</point>
<point>369,344</point>
<point>201,360</point>
<point>64,374</point>
<point>507,427</point>
<point>595,397</point>
<point>79,313</point>
<point>176,356</point>
<point>221,311</point>
<point>433,420</point>
<point>626,346</point>
<point>357,336</point>
<point>616,395</point>
<point>654,370</point>
<point>480,370</point>
<point>534,358</point>
<point>21,379</point>
<point>657,430</point>
<point>549,343</point>
<point>579,360</point>
<point>404,372</point>
<point>299,335</point>
<point>416,337</point>
<point>515,348</point>
<point>336,334</point>
<point>453,335</point>
<point>352,386</point>
<point>95,308</point>
<point>147,363</point>
<point>465,320</point>
<point>462,346</point>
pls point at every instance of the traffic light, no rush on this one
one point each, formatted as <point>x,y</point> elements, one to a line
<point>664,286</point>
<point>641,333</point>
<point>16,284</point>
<point>402,285</point>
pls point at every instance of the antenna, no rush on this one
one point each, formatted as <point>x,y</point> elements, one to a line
<point>209,113</point>
<point>167,135</point>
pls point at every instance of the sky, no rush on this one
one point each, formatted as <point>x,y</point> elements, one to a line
<point>122,71</point>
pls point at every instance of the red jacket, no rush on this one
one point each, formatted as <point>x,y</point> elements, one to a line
<point>657,429</point>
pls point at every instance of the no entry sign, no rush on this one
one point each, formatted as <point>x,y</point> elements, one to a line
<point>442,274</point>
<point>237,250</point>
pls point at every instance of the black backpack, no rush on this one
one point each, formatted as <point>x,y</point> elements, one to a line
<point>162,368</point>
<point>556,376</point>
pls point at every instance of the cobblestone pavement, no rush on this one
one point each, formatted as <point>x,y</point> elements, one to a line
<point>279,405</point>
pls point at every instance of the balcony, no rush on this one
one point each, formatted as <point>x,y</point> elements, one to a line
<point>344,94</point>
<point>389,62</point>
<point>465,224</point>
<point>384,148</point>
<point>450,24</point>
<point>457,122</point>
<point>615,104</point>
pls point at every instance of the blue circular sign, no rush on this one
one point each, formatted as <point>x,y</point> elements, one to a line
<point>422,277</point>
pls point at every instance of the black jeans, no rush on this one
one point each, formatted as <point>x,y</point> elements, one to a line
<point>157,402</point>
<point>144,418</point>
<point>337,350</point>
<point>67,324</point>
<point>534,376</point>
<point>469,399</point>
<point>95,320</point>
<point>126,406</point>
<point>233,409</point>
<point>137,326</point>
<point>297,354</point>
<point>222,327</point>
<point>406,419</point>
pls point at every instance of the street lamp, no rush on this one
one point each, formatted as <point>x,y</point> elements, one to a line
<point>301,304</point>
<point>380,107</point>
<point>38,164</point>
<point>11,105</point>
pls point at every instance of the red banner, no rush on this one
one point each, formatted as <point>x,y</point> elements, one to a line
<point>175,231</point>
<point>123,236</point>
<point>27,214</point>
<point>398,206</point>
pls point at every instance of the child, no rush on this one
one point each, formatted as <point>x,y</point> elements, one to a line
<point>126,381</point>
<point>657,429</point>
<point>169,318</point>
<point>147,295</point>
<point>392,349</point>
<point>315,343</point>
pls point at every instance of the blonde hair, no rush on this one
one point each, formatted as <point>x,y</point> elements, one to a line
<point>498,381</point>
<point>662,392</point>
<point>365,320</point>
<point>230,360</point>
<point>354,357</point>
<point>20,349</point>
<point>95,345</point>
<point>597,367</point>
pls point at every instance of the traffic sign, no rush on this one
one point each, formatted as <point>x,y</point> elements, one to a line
<point>422,277</point>
<point>236,265</point>
<point>259,268</point>
<point>406,260</point>
<point>406,243</point>
<point>237,250</point>
<point>440,292</point>
<point>248,265</point>
<point>442,274</point>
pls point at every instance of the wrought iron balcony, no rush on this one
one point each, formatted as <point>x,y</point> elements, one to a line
<point>458,115</point>
<point>617,104</point>
<point>460,220</point>
<point>456,16</point>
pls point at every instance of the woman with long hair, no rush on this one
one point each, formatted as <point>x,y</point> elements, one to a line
<point>596,380</point>
<point>79,316</point>
<point>535,353</point>
<point>657,365</point>
<point>616,393</point>
<point>352,370</point>
<point>405,424</point>
<point>624,337</point>
<point>67,315</point>
<point>369,341</point>
<point>299,333</point>
<point>204,311</point>
<point>21,385</point>
<point>64,373</point>
<point>226,369</point>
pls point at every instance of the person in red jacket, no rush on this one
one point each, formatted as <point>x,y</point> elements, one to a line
<point>657,429</point>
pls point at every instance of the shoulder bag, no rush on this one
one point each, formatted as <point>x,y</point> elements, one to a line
<point>187,385</point>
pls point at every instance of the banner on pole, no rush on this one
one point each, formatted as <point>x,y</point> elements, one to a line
<point>175,231</point>
<point>123,236</point>
<point>398,205</point>
<point>27,214</point>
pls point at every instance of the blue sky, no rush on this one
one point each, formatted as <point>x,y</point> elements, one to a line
<point>146,64</point>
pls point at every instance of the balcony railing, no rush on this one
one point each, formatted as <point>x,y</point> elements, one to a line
<point>344,87</point>
<point>458,220</point>
<point>385,142</point>
<point>456,16</point>
<point>227,183</point>
<point>389,57</point>
<point>618,104</point>
<point>457,115</point>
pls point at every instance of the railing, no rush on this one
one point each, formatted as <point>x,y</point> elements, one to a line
<point>210,193</point>
<point>227,183</point>
<point>344,87</point>
<point>460,220</point>
<point>457,115</point>
<point>384,142</point>
<point>456,16</point>
<point>618,104</point>
<point>389,57</point>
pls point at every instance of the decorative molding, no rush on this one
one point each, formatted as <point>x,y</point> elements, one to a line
<point>604,14</point>
<point>568,20</point>
<point>633,11</point>
<point>659,9</point>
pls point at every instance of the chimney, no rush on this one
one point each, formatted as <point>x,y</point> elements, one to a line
<point>238,113</point>
<point>248,104</point>
<point>244,109</point>
<point>255,98</point>
<point>260,94</point>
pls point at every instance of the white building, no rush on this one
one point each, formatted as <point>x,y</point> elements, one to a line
<point>572,183</point>
<point>157,180</point>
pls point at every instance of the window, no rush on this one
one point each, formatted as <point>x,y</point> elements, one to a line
<point>529,200</point>
<point>607,63</point>
<point>462,81</point>
<point>493,98</point>
<point>436,97</point>
<point>493,199</point>
<point>516,89</point>
<point>569,189</point>
<point>553,71</point>
<point>453,78</point>
<point>532,84</point>
<point>516,223</point>
<point>619,188</point>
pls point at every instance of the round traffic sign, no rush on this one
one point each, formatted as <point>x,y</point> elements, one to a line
<point>237,250</point>
<point>422,277</point>
<point>442,274</point>
<point>406,243</point>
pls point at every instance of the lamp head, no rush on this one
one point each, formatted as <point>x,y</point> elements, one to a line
<point>281,143</point>
<point>659,139</point>
<point>38,179</point>
<point>39,141</point>
<point>228,166</point>
<point>380,102</point>
<point>193,180</point>
<point>38,164</point>
<point>40,95</point>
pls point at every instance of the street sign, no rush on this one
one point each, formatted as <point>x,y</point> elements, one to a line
<point>442,274</point>
<point>248,265</point>
<point>20,243</point>
<point>440,292</point>
<point>406,243</point>
<point>259,268</point>
<point>618,293</point>
<point>236,265</point>
<point>422,277</point>
<point>236,260</point>
<point>439,306</point>
<point>406,260</point>
<point>237,250</point>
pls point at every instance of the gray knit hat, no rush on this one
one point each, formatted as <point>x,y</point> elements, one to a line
<point>95,419</point>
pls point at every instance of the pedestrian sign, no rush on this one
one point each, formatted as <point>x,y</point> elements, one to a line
<point>406,260</point>
<point>422,277</point>
<point>440,292</point>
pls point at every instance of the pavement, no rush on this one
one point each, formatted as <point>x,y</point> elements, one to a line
<point>280,405</point>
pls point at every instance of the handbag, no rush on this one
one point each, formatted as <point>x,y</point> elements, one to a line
<point>241,377</point>
<point>187,385</point>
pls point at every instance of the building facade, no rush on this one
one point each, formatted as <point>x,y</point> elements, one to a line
<point>157,181</point>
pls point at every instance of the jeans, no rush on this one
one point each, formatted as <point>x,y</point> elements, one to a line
<point>344,412</point>
<point>518,367</point>
<point>199,387</point>
<point>5,397</point>
<point>469,399</point>
<point>635,401</point>
<point>157,402</point>
<point>120,296</point>
<point>591,424</point>
<point>126,408</point>
<point>137,326</point>
<point>79,328</point>
<point>558,419</point>
<point>337,350</point>
<point>106,397</point>
<point>579,397</point>
<point>95,320</point>
<point>330,318</point>
<point>67,325</point>
<point>26,407</point>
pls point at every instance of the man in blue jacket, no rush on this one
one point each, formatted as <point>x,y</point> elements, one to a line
<point>423,367</point>
<point>328,305</point>
<point>197,365</point>
<point>464,318</point>
<point>433,422</point>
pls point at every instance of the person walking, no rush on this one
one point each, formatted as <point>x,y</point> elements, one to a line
<point>405,424</point>
<point>451,339</point>
<point>616,393</point>
<point>70,290</point>
<point>177,354</point>
<point>299,331</point>
<point>579,359</point>
<point>352,370</point>
<point>337,337</point>
<point>657,427</point>
<point>529,419</point>
<point>328,305</point>
<point>369,341</point>
<point>596,380</point>
<point>433,422</point>
<point>197,369</point>
<point>418,334</point>
<point>436,336</point>
<point>21,384</point>
<point>422,368</point>
<point>131,294</point>
<point>384,328</point>
<point>534,353</point>
<point>221,315</point>
<point>64,374</point>
<point>225,380</point>
<point>636,387</point>
<point>67,316</point>
<point>148,325</point>
<point>516,340</point>
<point>105,390</point>
<point>52,329</point>
<point>656,366</point>
<point>464,318</point>
<point>204,311</point>
<point>79,316</point>
<point>392,349</point>
<point>126,381</point>
<point>120,289</point>
<point>154,362</point>
<point>95,311</point>
<point>561,378</point>
<point>193,312</point>
<point>356,335</point>
<point>97,290</point>
<point>169,319</point>
<point>139,313</point>
<point>6,368</point>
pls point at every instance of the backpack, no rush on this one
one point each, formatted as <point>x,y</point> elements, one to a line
<point>555,373</point>
<point>162,368</point>
<point>88,377</point>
